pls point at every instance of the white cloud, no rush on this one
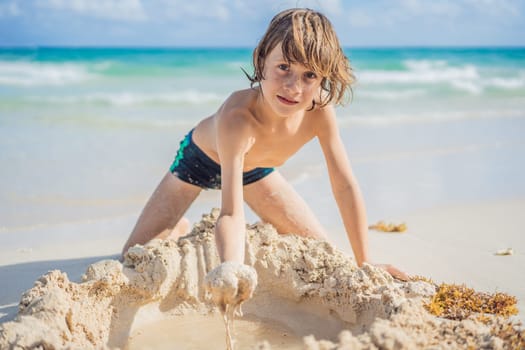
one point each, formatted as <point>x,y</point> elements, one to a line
<point>409,9</point>
<point>130,10</point>
<point>391,13</point>
<point>495,7</point>
<point>439,7</point>
<point>9,9</point>
<point>193,10</point>
<point>332,6</point>
<point>450,10</point>
<point>328,7</point>
<point>359,18</point>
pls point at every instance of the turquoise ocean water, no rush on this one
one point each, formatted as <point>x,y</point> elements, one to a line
<point>86,134</point>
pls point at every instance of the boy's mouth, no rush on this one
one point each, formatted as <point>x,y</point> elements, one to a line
<point>286,101</point>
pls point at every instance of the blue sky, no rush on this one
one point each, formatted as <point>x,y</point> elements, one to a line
<point>240,23</point>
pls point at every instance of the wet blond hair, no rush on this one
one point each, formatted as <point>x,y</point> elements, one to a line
<point>307,37</point>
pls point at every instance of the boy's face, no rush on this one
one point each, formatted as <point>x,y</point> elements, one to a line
<point>288,87</point>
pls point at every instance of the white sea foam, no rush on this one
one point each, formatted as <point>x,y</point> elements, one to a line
<point>239,64</point>
<point>435,152</point>
<point>117,122</point>
<point>422,72</point>
<point>134,98</point>
<point>473,87</point>
<point>467,78</point>
<point>427,117</point>
<point>507,83</point>
<point>24,73</point>
<point>103,65</point>
<point>391,94</point>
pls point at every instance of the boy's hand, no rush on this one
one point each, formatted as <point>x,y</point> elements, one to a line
<point>230,284</point>
<point>394,271</point>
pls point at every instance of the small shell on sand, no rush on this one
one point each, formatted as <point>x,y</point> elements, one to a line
<point>502,252</point>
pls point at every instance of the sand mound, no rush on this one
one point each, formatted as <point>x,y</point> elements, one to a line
<point>307,285</point>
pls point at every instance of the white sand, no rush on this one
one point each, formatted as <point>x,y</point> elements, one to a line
<point>196,332</point>
<point>457,244</point>
<point>306,286</point>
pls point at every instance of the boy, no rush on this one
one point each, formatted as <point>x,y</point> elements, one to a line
<point>300,70</point>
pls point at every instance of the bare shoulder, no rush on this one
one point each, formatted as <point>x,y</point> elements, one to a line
<point>235,118</point>
<point>232,118</point>
<point>235,112</point>
<point>324,121</point>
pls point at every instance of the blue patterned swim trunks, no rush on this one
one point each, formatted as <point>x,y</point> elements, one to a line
<point>193,166</point>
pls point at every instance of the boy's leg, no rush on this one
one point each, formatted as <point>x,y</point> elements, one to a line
<point>275,201</point>
<point>164,212</point>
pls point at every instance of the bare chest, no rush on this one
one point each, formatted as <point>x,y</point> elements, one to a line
<point>274,149</point>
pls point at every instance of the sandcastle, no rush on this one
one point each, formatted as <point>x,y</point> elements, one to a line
<point>315,290</point>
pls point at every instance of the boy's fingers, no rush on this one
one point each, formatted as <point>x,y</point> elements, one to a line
<point>395,272</point>
<point>399,274</point>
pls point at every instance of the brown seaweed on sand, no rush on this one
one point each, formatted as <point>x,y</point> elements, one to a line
<point>457,302</point>
<point>388,227</point>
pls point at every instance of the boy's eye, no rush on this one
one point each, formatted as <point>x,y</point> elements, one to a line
<point>310,75</point>
<point>284,67</point>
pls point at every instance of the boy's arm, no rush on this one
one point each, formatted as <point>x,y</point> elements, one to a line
<point>346,190</point>
<point>344,185</point>
<point>231,283</point>
<point>233,142</point>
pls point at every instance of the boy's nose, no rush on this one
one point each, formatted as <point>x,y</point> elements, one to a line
<point>293,83</point>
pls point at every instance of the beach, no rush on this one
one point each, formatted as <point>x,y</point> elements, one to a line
<point>434,137</point>
<point>310,295</point>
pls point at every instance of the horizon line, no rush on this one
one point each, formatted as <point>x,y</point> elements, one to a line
<point>164,47</point>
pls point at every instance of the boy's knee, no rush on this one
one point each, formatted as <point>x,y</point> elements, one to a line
<point>183,226</point>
